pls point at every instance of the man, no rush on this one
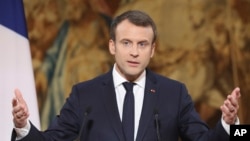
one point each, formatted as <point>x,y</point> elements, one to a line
<point>94,111</point>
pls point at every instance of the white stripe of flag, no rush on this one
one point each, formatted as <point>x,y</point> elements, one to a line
<point>15,65</point>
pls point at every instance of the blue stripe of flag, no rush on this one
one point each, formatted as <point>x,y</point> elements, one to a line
<point>12,16</point>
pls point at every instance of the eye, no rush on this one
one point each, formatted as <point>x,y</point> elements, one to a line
<point>126,43</point>
<point>142,44</point>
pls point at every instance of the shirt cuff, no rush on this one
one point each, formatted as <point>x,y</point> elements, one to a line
<point>227,126</point>
<point>22,132</point>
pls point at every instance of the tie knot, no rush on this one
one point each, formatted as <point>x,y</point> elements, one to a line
<point>128,86</point>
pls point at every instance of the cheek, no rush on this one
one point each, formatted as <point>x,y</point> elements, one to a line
<point>119,56</point>
<point>146,57</point>
<point>148,54</point>
<point>119,53</point>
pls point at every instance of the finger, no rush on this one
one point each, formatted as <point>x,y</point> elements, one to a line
<point>229,109</point>
<point>236,93</point>
<point>234,97</point>
<point>223,110</point>
<point>227,116</point>
<point>17,108</point>
<point>20,100</point>
<point>20,121</point>
<point>19,96</point>
<point>19,114</point>
<point>233,102</point>
<point>228,106</point>
<point>22,118</point>
<point>19,104</point>
<point>20,111</point>
<point>14,102</point>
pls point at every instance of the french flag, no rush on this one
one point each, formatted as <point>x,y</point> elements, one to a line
<point>15,65</point>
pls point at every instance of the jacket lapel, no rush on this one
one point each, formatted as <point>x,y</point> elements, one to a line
<point>110,104</point>
<point>149,104</point>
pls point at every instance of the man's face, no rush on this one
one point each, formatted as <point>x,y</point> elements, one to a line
<point>132,49</point>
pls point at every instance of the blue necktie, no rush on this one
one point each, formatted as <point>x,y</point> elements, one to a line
<point>128,112</point>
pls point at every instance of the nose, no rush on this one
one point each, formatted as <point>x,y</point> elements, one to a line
<point>134,51</point>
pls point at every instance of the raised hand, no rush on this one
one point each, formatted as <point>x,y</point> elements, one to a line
<point>20,110</point>
<point>231,106</point>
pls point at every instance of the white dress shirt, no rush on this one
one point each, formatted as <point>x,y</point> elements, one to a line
<point>138,91</point>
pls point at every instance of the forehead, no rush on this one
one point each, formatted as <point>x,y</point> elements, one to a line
<point>128,30</point>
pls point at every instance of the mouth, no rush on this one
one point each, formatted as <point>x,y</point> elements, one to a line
<point>133,63</point>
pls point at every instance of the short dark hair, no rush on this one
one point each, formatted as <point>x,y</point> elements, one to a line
<point>136,17</point>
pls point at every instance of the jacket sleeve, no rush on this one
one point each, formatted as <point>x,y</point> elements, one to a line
<point>192,128</point>
<point>34,134</point>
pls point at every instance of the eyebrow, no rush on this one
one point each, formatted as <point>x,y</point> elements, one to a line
<point>142,41</point>
<point>125,39</point>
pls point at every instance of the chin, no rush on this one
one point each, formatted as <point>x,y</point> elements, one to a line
<point>134,74</point>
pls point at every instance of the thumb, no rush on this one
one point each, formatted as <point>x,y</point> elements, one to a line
<point>19,96</point>
<point>236,93</point>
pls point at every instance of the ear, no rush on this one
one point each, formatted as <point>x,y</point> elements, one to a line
<point>153,50</point>
<point>112,47</point>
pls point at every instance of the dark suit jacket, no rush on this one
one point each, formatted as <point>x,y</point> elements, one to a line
<point>177,115</point>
